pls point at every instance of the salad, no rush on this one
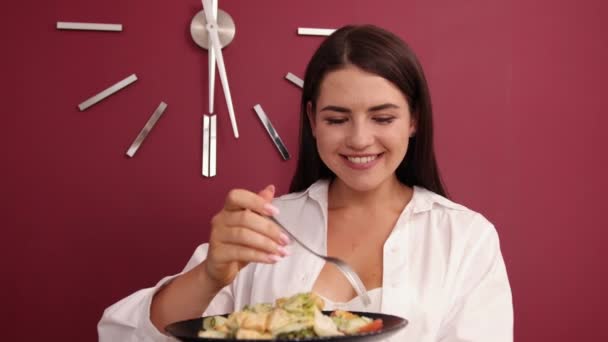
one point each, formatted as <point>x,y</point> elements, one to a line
<point>296,317</point>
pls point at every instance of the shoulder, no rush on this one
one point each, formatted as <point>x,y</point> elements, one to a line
<point>445,214</point>
<point>465,240</point>
<point>425,199</point>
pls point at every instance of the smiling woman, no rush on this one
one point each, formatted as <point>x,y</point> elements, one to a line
<point>366,190</point>
<point>362,127</point>
<point>390,85</point>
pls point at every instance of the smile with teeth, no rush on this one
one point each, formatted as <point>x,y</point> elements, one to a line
<point>362,160</point>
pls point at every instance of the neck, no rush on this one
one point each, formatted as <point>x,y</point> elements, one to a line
<point>390,194</point>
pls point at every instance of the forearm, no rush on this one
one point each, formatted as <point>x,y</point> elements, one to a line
<point>186,297</point>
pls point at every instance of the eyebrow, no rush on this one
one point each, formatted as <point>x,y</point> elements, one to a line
<point>371,109</point>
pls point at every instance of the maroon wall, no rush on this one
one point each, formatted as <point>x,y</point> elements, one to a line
<point>518,89</point>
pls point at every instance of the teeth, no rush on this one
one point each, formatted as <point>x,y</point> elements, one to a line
<point>361,160</point>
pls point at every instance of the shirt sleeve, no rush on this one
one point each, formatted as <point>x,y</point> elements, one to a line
<point>482,309</point>
<point>129,319</point>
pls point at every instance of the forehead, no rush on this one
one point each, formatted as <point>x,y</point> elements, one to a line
<point>351,86</point>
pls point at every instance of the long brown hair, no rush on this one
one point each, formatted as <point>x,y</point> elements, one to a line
<point>377,51</point>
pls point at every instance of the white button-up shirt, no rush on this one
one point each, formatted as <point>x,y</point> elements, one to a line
<point>443,271</point>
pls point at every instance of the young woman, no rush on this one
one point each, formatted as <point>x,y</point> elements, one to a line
<point>367,190</point>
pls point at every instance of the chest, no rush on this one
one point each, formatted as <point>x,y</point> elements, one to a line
<point>359,240</point>
<point>359,237</point>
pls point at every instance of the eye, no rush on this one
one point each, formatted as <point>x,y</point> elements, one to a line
<point>335,121</point>
<point>384,119</point>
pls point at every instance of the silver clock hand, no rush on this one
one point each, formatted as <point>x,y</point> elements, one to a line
<point>215,39</point>
<point>211,61</point>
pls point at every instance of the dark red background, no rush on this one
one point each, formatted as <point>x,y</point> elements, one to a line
<point>518,89</point>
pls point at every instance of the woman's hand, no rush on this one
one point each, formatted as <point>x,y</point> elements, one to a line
<point>240,234</point>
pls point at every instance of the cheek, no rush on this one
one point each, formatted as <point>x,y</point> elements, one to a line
<point>324,144</point>
<point>397,140</point>
<point>326,138</point>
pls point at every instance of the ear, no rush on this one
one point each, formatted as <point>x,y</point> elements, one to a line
<point>311,118</point>
<point>413,127</point>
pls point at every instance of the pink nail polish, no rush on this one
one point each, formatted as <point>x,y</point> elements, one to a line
<point>283,251</point>
<point>271,209</point>
<point>284,239</point>
<point>273,258</point>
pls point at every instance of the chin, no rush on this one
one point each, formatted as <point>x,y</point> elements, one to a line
<point>362,185</point>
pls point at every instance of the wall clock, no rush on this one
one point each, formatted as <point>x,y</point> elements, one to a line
<point>212,29</point>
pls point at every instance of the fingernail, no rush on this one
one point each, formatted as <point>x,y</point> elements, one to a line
<point>271,188</point>
<point>283,251</point>
<point>284,239</point>
<point>273,258</point>
<point>271,209</point>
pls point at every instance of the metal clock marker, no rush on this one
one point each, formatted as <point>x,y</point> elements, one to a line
<point>306,31</point>
<point>276,139</point>
<point>107,92</point>
<point>209,145</point>
<point>295,80</point>
<point>64,25</point>
<point>147,128</point>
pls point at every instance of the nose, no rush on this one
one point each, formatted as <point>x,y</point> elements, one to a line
<point>360,136</point>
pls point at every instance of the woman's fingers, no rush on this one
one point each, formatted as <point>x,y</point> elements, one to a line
<point>247,237</point>
<point>239,199</point>
<point>267,193</point>
<point>257,223</point>
<point>244,255</point>
<point>246,209</point>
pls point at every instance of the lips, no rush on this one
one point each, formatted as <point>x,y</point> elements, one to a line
<point>362,161</point>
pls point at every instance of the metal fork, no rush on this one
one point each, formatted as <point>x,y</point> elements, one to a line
<point>346,270</point>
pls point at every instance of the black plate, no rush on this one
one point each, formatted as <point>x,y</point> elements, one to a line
<point>188,330</point>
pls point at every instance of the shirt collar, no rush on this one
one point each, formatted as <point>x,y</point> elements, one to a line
<point>318,191</point>
<point>422,199</point>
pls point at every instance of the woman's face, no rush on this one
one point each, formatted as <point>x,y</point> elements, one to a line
<point>362,126</point>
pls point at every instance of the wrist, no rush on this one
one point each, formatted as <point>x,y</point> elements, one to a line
<point>205,279</point>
